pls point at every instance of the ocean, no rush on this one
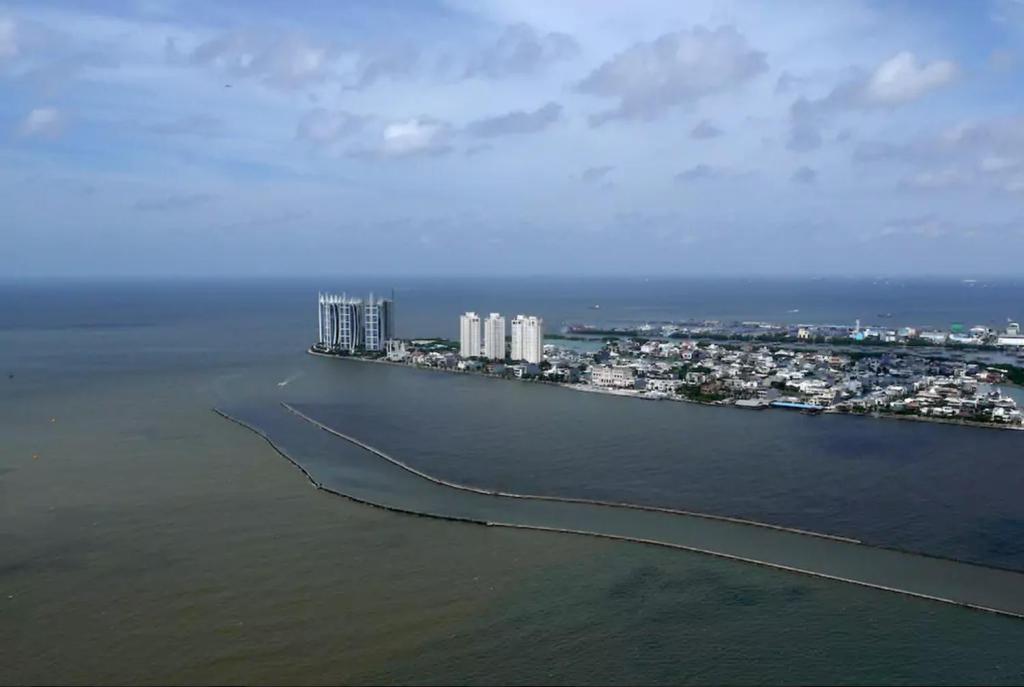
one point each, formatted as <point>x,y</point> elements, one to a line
<point>144,539</point>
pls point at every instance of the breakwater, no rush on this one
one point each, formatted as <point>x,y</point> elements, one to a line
<point>559,499</point>
<point>341,464</point>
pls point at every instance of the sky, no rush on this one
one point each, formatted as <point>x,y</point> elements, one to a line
<point>508,137</point>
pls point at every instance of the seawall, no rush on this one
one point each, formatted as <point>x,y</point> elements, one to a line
<point>381,480</point>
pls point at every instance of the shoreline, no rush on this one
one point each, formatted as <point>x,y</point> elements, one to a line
<point>625,393</point>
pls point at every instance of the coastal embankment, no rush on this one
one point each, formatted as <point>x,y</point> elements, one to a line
<point>340,463</point>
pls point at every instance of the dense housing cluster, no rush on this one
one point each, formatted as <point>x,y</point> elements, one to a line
<point>750,373</point>
<point>762,376</point>
<point>957,335</point>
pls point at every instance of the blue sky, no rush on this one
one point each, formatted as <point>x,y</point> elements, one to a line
<point>508,137</point>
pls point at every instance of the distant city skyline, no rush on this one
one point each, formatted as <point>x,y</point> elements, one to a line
<point>581,138</point>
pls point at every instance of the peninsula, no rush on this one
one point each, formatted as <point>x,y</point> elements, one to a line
<point>820,378</point>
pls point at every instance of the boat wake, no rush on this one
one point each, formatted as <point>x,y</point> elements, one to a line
<point>290,379</point>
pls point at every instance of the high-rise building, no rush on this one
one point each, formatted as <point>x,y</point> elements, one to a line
<point>528,338</point>
<point>469,335</point>
<point>347,324</point>
<point>516,352</point>
<point>494,337</point>
<point>322,317</point>
<point>341,323</point>
<point>378,323</point>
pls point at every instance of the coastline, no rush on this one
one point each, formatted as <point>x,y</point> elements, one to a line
<point>625,393</point>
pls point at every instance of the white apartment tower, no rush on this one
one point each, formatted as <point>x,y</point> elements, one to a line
<point>469,335</point>
<point>528,338</point>
<point>494,337</point>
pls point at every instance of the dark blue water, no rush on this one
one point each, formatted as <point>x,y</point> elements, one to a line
<point>284,309</point>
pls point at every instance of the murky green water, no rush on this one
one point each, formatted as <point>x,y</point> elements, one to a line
<point>145,540</point>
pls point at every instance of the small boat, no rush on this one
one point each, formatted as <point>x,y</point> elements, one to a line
<point>595,307</point>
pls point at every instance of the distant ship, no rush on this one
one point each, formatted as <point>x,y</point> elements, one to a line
<point>595,307</point>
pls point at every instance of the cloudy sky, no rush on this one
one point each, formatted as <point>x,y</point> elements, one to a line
<point>509,137</point>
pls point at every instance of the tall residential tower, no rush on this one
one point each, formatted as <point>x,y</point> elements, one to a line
<point>348,324</point>
<point>341,322</point>
<point>469,335</point>
<point>378,323</point>
<point>528,338</point>
<point>494,337</point>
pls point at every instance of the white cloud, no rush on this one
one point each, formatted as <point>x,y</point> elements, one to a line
<point>675,69</point>
<point>897,81</point>
<point>521,49</point>
<point>8,39</point>
<point>929,226</point>
<point>203,126</point>
<point>174,202</point>
<point>326,126</point>
<point>901,79</point>
<point>43,122</point>
<point>986,154</point>
<point>994,164</point>
<point>592,175</point>
<point>392,83</point>
<point>416,136</point>
<point>923,226</point>
<point>1014,185</point>
<point>516,122</point>
<point>704,130</point>
<point>386,62</point>
<point>993,145</point>
<point>936,179</point>
<point>285,62</point>
<point>804,175</point>
<point>703,171</point>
